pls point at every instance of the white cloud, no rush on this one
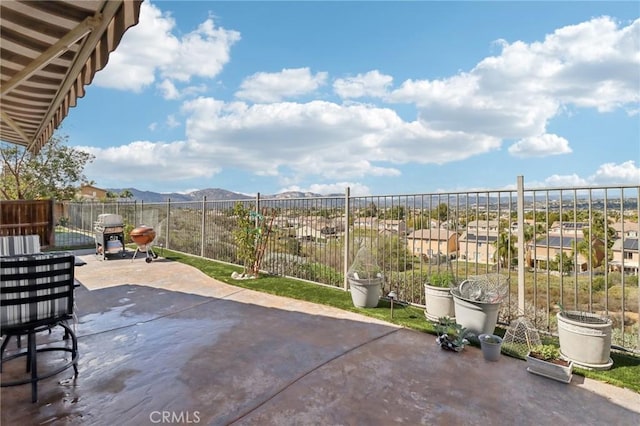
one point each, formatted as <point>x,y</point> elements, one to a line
<point>168,89</point>
<point>274,87</point>
<point>514,95</point>
<point>172,121</point>
<point>140,160</point>
<point>320,138</point>
<point>143,49</point>
<point>596,64</point>
<point>150,50</point>
<point>558,181</point>
<point>625,173</point>
<point>202,53</point>
<point>355,189</point>
<point>540,146</point>
<point>372,83</point>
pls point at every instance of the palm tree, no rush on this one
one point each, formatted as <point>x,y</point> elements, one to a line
<point>505,248</point>
<point>590,248</point>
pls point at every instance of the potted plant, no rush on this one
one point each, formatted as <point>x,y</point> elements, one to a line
<point>585,339</point>
<point>437,295</point>
<point>546,361</point>
<point>477,302</point>
<point>451,335</point>
<point>491,346</point>
<point>365,279</point>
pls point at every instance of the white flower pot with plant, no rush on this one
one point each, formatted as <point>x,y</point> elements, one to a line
<point>546,361</point>
<point>437,295</point>
<point>365,279</point>
<point>477,302</point>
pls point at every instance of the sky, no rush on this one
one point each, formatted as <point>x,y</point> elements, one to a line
<point>381,97</point>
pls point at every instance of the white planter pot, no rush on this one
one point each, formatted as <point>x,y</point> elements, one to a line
<point>585,339</point>
<point>477,317</point>
<point>365,293</point>
<point>490,350</point>
<point>550,370</point>
<point>438,303</point>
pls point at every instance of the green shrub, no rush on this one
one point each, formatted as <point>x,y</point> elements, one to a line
<point>546,352</point>
<point>443,279</point>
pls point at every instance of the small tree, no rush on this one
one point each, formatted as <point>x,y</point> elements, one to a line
<point>55,172</point>
<point>245,236</point>
<point>506,249</point>
<point>563,263</point>
<point>251,235</point>
<point>126,193</point>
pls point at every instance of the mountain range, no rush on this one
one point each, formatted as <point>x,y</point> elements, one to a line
<point>218,194</point>
<point>211,194</point>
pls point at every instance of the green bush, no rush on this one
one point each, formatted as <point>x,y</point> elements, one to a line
<point>443,279</point>
<point>546,352</point>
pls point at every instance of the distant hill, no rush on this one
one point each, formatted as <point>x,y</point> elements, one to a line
<point>415,201</point>
<point>216,194</point>
<point>212,194</point>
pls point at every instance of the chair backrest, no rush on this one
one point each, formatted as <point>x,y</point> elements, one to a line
<point>13,245</point>
<point>36,289</point>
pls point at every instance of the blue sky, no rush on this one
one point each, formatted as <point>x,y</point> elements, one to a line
<point>382,97</point>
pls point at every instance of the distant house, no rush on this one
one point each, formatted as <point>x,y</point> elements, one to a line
<point>392,225</point>
<point>318,228</point>
<point>565,228</point>
<point>387,226</point>
<point>281,222</point>
<point>546,249</point>
<point>432,242</point>
<point>626,229</point>
<point>90,192</point>
<point>477,246</point>
<point>626,257</point>
<point>365,222</point>
<point>310,233</point>
<point>514,225</point>
<point>481,226</point>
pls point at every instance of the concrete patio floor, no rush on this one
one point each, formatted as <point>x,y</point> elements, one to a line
<point>161,343</point>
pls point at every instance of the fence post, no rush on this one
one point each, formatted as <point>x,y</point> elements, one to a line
<point>347,237</point>
<point>521,245</point>
<point>257,209</point>
<point>51,231</point>
<point>168,220</point>
<point>202,231</point>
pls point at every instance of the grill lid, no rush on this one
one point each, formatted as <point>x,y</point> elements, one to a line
<point>108,220</point>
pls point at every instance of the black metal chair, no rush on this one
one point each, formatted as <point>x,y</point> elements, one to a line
<point>36,294</point>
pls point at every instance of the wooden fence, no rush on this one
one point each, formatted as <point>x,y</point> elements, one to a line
<point>28,217</point>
